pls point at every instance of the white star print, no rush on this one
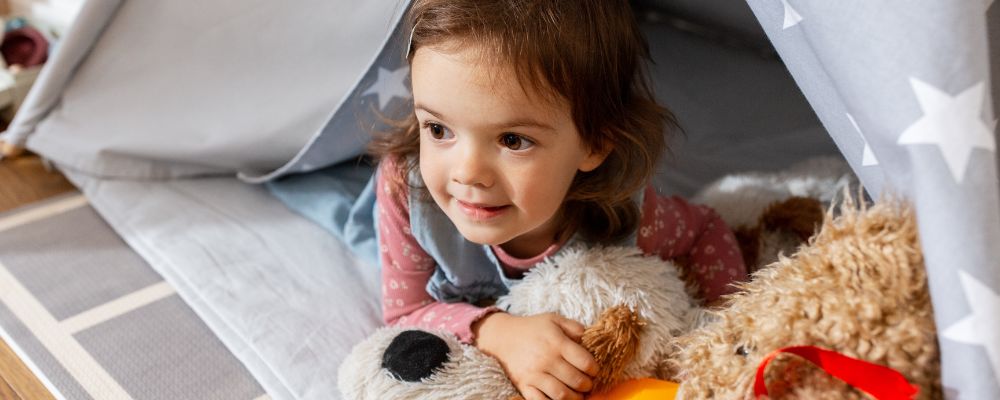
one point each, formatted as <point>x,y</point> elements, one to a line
<point>389,84</point>
<point>980,328</point>
<point>953,124</point>
<point>868,156</point>
<point>792,17</point>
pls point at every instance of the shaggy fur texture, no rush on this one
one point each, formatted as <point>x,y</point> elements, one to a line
<point>613,341</point>
<point>632,305</point>
<point>774,212</point>
<point>859,287</point>
<point>468,374</point>
<point>581,284</point>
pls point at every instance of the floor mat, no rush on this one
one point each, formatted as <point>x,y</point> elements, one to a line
<point>93,321</point>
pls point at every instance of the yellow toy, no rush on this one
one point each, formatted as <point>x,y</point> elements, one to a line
<point>639,389</point>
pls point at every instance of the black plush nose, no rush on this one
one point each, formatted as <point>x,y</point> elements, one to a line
<point>414,355</point>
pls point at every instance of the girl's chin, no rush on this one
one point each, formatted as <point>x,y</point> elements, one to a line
<point>482,236</point>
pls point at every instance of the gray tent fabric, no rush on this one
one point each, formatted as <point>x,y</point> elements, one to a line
<point>904,89</point>
<point>383,92</point>
<point>736,22</point>
<point>139,84</point>
<point>74,48</point>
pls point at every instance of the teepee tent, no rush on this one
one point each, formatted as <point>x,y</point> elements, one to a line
<point>165,117</point>
<point>904,89</point>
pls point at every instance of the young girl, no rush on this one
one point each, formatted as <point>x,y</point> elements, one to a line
<point>533,129</point>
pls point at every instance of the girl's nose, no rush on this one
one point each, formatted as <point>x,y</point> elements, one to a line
<point>471,168</point>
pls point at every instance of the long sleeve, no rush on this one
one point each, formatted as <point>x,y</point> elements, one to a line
<point>406,268</point>
<point>695,236</point>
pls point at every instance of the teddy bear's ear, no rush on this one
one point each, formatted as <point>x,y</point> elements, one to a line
<point>801,216</point>
<point>414,355</point>
<point>782,226</point>
<point>614,341</point>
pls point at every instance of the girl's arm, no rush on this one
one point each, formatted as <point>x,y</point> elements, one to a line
<point>406,268</point>
<point>696,236</point>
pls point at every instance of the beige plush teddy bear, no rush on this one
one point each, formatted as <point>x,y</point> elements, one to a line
<point>859,288</point>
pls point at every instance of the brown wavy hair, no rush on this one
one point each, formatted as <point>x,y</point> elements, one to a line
<point>590,53</point>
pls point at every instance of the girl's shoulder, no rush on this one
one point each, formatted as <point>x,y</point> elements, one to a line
<point>391,181</point>
<point>399,170</point>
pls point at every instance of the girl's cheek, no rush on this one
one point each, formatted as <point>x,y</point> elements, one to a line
<point>433,166</point>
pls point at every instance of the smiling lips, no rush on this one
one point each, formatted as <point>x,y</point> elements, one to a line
<point>481,212</point>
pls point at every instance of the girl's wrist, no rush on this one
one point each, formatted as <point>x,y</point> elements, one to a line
<point>484,328</point>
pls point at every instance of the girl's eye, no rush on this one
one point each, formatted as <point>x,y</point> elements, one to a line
<point>438,131</point>
<point>516,142</point>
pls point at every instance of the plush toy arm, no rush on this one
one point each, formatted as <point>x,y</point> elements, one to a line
<point>613,341</point>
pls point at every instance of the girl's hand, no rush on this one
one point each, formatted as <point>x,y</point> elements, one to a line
<point>541,354</point>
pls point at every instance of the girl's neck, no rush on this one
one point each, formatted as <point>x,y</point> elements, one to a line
<point>536,242</point>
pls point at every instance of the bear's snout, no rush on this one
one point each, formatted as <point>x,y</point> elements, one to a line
<point>414,355</point>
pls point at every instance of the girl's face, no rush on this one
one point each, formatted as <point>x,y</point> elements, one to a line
<point>497,159</point>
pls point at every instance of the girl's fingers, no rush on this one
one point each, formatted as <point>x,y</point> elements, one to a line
<point>581,359</point>
<point>571,376</point>
<point>556,390</point>
<point>572,328</point>
<point>531,393</point>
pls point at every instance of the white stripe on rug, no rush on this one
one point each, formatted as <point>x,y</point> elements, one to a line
<point>263,397</point>
<point>42,212</point>
<point>60,344</point>
<point>117,307</point>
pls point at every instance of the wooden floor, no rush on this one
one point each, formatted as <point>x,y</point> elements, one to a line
<point>24,180</point>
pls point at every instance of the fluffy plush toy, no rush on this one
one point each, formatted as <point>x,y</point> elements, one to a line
<point>858,288</point>
<point>633,306</point>
<point>775,212</point>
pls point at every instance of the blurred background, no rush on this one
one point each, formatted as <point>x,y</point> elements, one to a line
<point>32,29</point>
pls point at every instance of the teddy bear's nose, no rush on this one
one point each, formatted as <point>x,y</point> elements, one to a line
<point>414,355</point>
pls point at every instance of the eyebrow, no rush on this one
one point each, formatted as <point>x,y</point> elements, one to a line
<point>517,122</point>
<point>422,107</point>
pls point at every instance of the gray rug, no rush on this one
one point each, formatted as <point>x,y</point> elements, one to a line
<point>93,321</point>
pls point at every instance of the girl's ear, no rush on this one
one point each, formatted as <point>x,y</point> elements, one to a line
<point>595,158</point>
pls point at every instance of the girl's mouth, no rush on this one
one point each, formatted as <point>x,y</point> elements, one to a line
<point>481,212</point>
